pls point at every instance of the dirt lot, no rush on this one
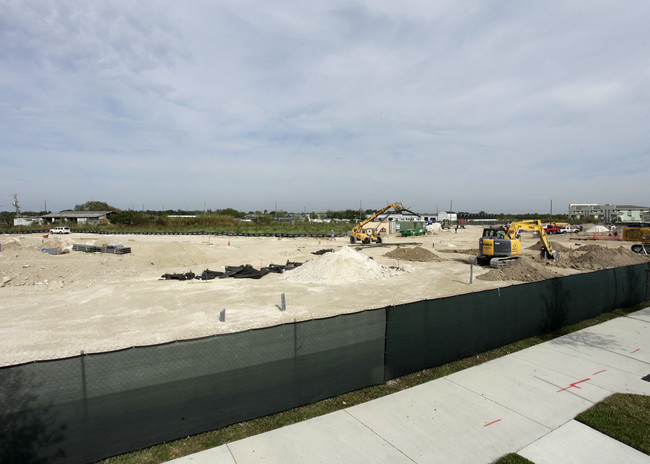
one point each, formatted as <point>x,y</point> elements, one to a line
<point>57,305</point>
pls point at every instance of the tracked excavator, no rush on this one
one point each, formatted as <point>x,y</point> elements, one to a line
<point>640,234</point>
<point>369,235</point>
<point>500,245</point>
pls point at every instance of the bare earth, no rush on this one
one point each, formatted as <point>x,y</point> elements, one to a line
<point>56,306</point>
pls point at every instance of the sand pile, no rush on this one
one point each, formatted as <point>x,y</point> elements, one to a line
<point>524,269</point>
<point>594,257</point>
<point>345,265</point>
<point>417,254</point>
<point>10,243</point>
<point>556,246</point>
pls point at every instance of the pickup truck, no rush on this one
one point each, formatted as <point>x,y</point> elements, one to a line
<point>568,230</point>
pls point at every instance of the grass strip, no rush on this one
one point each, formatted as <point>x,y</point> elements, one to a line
<point>513,458</point>
<point>200,442</point>
<point>624,417</point>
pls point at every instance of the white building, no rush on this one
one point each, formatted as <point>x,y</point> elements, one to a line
<point>607,213</point>
<point>27,221</point>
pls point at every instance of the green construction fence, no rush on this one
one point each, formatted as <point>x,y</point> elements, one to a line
<point>92,406</point>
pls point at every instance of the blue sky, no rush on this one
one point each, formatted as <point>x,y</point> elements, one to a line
<point>500,106</point>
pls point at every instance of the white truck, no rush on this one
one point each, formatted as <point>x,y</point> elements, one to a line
<point>60,230</point>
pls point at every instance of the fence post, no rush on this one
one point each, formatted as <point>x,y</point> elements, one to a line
<point>83,383</point>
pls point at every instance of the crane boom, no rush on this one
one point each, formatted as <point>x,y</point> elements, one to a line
<point>396,206</point>
<point>367,236</point>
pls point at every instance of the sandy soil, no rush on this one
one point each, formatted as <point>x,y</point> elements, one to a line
<point>55,306</point>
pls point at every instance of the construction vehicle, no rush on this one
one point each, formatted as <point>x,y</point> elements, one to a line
<point>638,233</point>
<point>500,245</point>
<point>370,235</point>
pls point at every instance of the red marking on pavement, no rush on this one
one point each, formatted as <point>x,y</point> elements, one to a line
<point>638,349</point>
<point>493,422</point>
<point>574,384</point>
<point>599,372</point>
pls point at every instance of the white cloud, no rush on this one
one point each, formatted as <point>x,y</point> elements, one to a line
<point>322,104</point>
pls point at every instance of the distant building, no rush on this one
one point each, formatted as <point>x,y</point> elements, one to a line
<point>423,217</point>
<point>449,215</point>
<point>80,217</point>
<point>27,221</point>
<point>608,213</point>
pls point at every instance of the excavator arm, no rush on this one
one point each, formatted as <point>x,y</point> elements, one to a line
<point>536,225</point>
<point>498,247</point>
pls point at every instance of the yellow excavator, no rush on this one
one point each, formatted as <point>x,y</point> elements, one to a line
<point>639,233</point>
<point>500,245</point>
<point>369,235</point>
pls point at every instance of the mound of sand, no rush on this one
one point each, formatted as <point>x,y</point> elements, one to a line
<point>10,243</point>
<point>417,254</point>
<point>524,269</point>
<point>594,257</point>
<point>556,246</point>
<point>345,265</point>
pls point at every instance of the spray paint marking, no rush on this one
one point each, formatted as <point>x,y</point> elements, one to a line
<point>493,422</point>
<point>638,349</point>
<point>599,372</point>
<point>574,384</point>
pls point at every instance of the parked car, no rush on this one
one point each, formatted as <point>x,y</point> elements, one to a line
<point>60,230</point>
<point>551,229</point>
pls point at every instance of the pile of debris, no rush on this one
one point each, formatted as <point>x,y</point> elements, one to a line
<point>245,271</point>
<point>417,254</point>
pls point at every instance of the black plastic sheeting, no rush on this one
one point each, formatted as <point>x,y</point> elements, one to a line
<point>89,407</point>
<point>116,249</point>
<point>245,271</point>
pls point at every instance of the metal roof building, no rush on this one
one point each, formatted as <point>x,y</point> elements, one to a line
<point>80,217</point>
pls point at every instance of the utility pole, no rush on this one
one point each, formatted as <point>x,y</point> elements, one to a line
<point>17,205</point>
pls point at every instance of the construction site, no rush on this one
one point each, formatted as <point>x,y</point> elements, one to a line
<point>75,297</point>
<point>112,343</point>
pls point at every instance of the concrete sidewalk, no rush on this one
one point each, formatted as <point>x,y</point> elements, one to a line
<point>524,402</point>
